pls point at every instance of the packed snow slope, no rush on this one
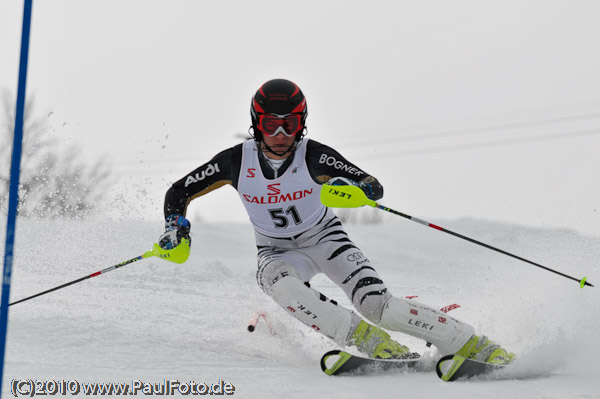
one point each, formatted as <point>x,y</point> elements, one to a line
<point>154,320</point>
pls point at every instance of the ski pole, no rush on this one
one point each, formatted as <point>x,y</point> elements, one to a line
<point>178,254</point>
<point>103,271</point>
<point>354,197</point>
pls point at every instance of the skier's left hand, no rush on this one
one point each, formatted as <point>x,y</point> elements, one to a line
<point>369,185</point>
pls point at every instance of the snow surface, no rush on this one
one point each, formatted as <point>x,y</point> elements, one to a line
<point>154,320</point>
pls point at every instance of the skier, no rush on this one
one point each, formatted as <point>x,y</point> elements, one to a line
<point>277,175</point>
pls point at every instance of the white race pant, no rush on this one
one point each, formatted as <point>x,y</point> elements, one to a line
<point>286,265</point>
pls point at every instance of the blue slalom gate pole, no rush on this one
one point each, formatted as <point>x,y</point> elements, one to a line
<point>15,174</point>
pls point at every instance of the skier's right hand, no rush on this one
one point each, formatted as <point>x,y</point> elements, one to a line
<point>177,227</point>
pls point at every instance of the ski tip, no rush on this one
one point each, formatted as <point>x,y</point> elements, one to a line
<point>447,366</point>
<point>341,358</point>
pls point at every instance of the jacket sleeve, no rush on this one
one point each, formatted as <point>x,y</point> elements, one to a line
<point>325,163</point>
<point>222,169</point>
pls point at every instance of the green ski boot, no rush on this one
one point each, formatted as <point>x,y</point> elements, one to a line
<point>482,349</point>
<point>377,343</point>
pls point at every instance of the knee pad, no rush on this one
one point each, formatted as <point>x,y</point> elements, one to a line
<point>271,272</point>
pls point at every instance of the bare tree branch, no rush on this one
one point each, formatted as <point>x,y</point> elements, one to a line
<point>54,182</point>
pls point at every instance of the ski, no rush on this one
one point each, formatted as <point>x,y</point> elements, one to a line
<point>338,362</point>
<point>453,367</point>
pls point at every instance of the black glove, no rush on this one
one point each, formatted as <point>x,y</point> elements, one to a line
<point>177,227</point>
<point>369,185</point>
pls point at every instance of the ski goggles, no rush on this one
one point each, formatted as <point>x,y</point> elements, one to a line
<point>272,124</point>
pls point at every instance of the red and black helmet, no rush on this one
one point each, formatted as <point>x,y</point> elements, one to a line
<point>278,106</point>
